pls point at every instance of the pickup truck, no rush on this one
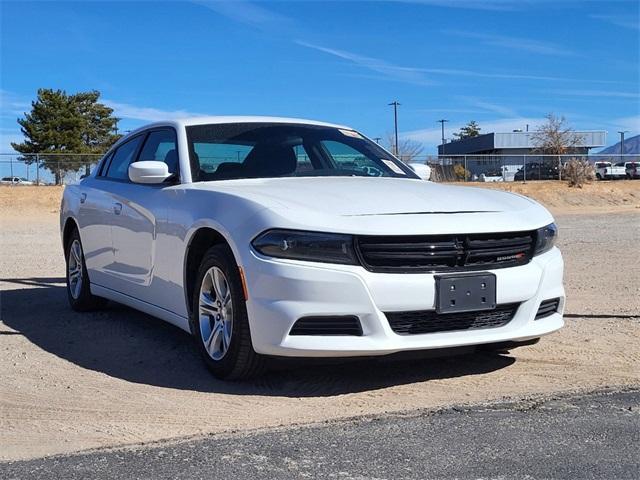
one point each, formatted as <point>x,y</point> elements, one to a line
<point>607,171</point>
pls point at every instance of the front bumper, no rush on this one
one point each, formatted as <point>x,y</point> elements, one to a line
<point>282,291</point>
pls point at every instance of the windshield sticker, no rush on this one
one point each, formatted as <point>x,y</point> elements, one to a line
<point>393,166</point>
<point>350,133</point>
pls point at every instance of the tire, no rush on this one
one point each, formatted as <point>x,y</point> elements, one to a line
<point>78,284</point>
<point>598,176</point>
<point>219,320</point>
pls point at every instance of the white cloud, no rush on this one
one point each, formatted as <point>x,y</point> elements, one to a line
<point>7,136</point>
<point>490,107</point>
<point>516,43</point>
<point>626,21</point>
<point>148,114</point>
<point>249,13</point>
<point>630,124</point>
<point>389,70</point>
<point>595,93</point>
<point>12,104</point>
<point>431,137</point>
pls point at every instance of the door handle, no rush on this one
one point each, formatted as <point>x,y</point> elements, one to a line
<point>83,198</point>
<point>117,208</point>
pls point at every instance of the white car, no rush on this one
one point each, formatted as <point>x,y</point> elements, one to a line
<point>632,169</point>
<point>282,237</point>
<point>15,181</point>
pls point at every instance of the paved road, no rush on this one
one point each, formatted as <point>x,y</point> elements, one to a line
<point>586,436</point>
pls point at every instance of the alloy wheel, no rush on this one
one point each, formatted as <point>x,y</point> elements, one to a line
<point>215,313</point>
<point>74,269</point>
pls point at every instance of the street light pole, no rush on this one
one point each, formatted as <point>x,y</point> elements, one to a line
<point>442,122</point>
<point>622,141</point>
<point>395,104</point>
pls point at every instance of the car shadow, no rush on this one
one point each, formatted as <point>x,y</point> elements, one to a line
<point>130,345</point>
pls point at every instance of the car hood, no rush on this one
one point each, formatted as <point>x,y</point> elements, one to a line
<point>374,203</point>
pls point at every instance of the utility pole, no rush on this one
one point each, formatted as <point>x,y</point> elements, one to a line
<point>622,142</point>
<point>377,140</point>
<point>395,104</point>
<point>442,122</point>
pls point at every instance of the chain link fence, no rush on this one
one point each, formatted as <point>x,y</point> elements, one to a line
<point>68,168</point>
<point>46,168</point>
<point>520,168</point>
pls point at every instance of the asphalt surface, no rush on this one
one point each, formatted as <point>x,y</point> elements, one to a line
<point>584,436</point>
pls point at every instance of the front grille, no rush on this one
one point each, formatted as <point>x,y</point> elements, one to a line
<point>548,307</point>
<point>441,253</point>
<point>329,325</point>
<point>429,321</point>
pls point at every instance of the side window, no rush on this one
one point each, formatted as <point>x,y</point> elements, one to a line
<point>161,147</point>
<point>104,165</point>
<point>123,156</point>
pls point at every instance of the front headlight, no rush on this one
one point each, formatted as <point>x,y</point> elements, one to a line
<point>309,246</point>
<point>546,238</point>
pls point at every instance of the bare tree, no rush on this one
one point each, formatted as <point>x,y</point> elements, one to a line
<point>408,149</point>
<point>555,137</point>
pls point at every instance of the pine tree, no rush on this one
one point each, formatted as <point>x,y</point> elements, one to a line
<point>62,124</point>
<point>471,129</point>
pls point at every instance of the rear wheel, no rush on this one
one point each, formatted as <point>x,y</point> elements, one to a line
<point>78,287</point>
<point>219,320</point>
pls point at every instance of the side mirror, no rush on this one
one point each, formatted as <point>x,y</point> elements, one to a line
<point>149,172</point>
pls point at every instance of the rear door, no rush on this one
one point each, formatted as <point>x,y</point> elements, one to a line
<point>94,218</point>
<point>104,207</point>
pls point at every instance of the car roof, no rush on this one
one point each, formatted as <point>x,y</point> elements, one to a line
<point>190,121</point>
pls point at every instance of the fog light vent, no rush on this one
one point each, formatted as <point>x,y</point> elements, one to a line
<point>329,325</point>
<point>547,308</point>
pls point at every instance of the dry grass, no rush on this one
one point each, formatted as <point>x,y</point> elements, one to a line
<point>596,197</point>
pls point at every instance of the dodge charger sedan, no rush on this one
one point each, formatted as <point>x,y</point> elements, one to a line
<point>282,237</point>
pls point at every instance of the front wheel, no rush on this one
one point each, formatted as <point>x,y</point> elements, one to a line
<point>219,320</point>
<point>78,287</point>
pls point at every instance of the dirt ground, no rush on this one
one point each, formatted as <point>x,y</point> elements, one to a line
<point>602,196</point>
<point>78,381</point>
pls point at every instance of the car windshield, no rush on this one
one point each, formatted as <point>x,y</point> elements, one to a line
<point>268,150</point>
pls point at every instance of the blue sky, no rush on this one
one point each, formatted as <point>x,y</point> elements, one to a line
<point>503,63</point>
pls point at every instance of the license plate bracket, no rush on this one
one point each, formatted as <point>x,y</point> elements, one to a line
<point>465,293</point>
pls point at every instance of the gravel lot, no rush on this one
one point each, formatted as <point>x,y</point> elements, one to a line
<point>72,382</point>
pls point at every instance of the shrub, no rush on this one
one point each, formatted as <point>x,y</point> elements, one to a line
<point>460,172</point>
<point>577,172</point>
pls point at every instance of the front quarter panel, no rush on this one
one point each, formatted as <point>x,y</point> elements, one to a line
<point>191,209</point>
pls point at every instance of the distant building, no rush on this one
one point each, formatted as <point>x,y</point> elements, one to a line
<point>514,143</point>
